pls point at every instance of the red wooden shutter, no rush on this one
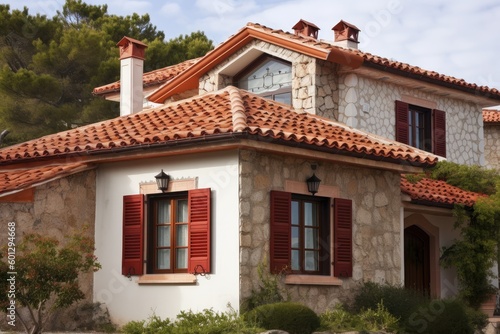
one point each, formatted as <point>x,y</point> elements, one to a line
<point>402,122</point>
<point>439,132</point>
<point>280,231</point>
<point>133,235</point>
<point>342,266</point>
<point>199,230</point>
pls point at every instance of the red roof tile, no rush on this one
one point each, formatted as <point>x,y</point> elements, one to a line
<point>188,79</point>
<point>491,116</point>
<point>208,117</point>
<point>436,191</point>
<point>156,77</point>
<point>23,178</point>
<point>385,62</point>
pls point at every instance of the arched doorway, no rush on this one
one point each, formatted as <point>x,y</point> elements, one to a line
<point>417,259</point>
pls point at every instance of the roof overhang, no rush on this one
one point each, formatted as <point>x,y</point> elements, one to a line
<point>189,79</point>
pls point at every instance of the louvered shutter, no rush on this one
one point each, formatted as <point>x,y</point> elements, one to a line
<point>402,122</point>
<point>133,235</point>
<point>280,229</point>
<point>342,266</point>
<point>199,230</point>
<point>439,132</point>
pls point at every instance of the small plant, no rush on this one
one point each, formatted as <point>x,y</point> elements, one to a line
<point>270,291</point>
<point>47,277</point>
<point>293,318</point>
<point>189,322</point>
<point>341,320</point>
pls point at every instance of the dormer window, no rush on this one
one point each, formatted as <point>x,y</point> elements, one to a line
<point>269,77</point>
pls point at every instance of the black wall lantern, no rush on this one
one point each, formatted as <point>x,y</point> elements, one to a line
<point>313,184</point>
<point>162,181</point>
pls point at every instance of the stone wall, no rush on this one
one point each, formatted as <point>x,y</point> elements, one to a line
<point>368,105</point>
<point>491,150</point>
<point>376,222</point>
<point>314,83</point>
<point>60,208</point>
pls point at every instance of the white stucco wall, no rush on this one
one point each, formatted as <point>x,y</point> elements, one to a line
<point>125,299</point>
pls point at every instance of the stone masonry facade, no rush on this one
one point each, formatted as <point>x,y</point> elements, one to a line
<point>360,102</point>
<point>60,208</point>
<point>492,138</point>
<point>369,105</point>
<point>376,225</point>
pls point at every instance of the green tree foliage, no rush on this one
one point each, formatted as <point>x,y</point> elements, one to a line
<point>49,66</point>
<point>474,254</point>
<point>46,276</point>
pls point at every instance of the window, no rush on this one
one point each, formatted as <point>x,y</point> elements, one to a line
<point>301,235</point>
<point>310,252</point>
<point>178,230</point>
<point>168,233</point>
<point>268,76</point>
<point>422,128</point>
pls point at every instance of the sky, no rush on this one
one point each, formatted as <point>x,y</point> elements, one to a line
<point>458,38</point>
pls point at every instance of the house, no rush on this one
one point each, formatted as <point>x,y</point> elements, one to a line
<point>491,119</point>
<point>237,133</point>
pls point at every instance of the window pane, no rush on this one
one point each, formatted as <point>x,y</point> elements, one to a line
<point>163,212</point>
<point>311,238</point>
<point>295,237</point>
<point>310,215</point>
<point>295,213</point>
<point>285,98</point>
<point>163,258</point>
<point>182,211</point>
<point>311,261</point>
<point>181,258</point>
<point>163,233</point>
<point>182,235</point>
<point>295,260</point>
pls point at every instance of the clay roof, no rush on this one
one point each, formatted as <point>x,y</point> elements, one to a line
<point>209,117</point>
<point>156,77</point>
<point>320,49</point>
<point>437,191</point>
<point>491,116</point>
<point>23,178</point>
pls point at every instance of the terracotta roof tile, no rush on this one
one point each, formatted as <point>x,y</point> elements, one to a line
<point>385,62</point>
<point>491,116</point>
<point>436,191</point>
<point>208,116</point>
<point>156,77</point>
<point>22,178</point>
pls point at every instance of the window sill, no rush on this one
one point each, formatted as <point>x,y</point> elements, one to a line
<point>312,280</point>
<point>167,279</point>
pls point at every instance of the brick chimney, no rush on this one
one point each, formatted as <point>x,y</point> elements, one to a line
<point>131,71</point>
<point>306,29</point>
<point>346,35</point>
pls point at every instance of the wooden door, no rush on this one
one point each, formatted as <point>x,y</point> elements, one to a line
<point>417,261</point>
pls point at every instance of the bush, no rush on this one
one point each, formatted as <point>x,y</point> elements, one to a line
<point>446,316</point>
<point>293,318</point>
<point>188,322</point>
<point>400,302</point>
<point>341,320</point>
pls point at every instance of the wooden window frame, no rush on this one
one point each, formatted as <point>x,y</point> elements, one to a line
<point>152,245</point>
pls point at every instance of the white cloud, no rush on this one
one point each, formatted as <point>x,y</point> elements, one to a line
<point>171,9</point>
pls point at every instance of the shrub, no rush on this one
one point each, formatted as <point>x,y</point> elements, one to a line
<point>341,320</point>
<point>294,318</point>
<point>446,316</point>
<point>189,322</point>
<point>400,302</point>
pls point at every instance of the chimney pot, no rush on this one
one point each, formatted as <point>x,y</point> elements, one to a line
<point>346,34</point>
<point>306,29</point>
